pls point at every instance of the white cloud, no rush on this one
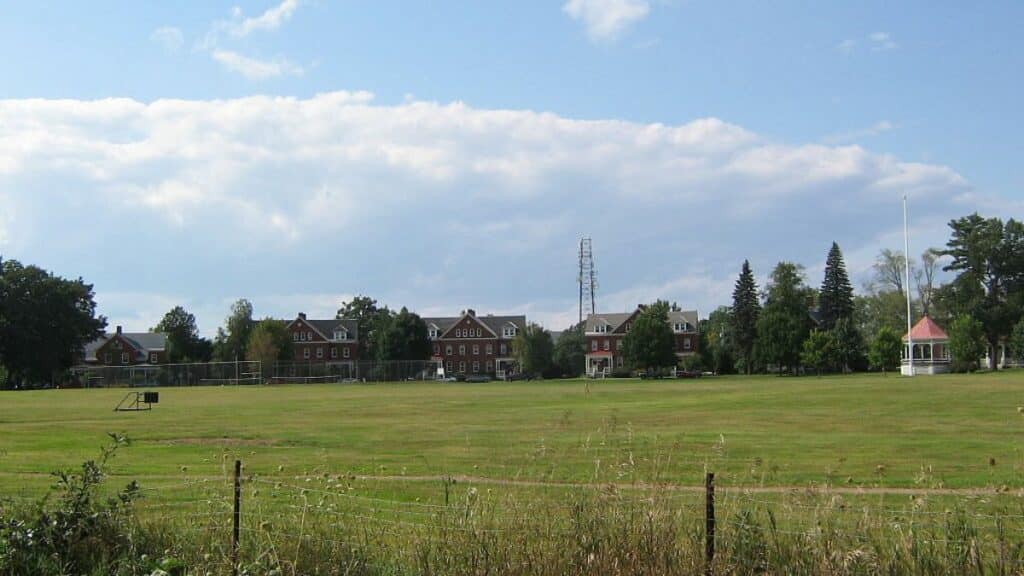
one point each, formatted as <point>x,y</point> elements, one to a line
<point>255,69</point>
<point>606,19</point>
<point>876,42</point>
<point>168,37</point>
<point>435,206</point>
<point>876,129</point>
<point>271,19</point>
<point>881,41</point>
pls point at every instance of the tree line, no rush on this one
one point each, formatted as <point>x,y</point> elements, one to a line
<point>791,327</point>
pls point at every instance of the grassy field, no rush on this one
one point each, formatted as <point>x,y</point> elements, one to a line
<point>952,431</point>
<point>924,475</point>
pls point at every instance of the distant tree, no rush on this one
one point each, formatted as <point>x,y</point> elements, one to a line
<point>924,278</point>
<point>650,344</point>
<point>785,321</point>
<point>886,350</point>
<point>716,341</point>
<point>966,343</point>
<point>263,346</point>
<point>820,351</point>
<point>836,295</point>
<point>45,323</point>
<point>402,337</point>
<point>1017,342</point>
<point>890,272</point>
<point>371,320</point>
<point>570,352</point>
<point>182,335</point>
<point>872,312</point>
<point>850,349</point>
<point>746,309</point>
<point>234,336</point>
<point>534,350</point>
<point>989,256</point>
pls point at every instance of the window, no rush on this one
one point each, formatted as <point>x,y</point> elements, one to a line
<point>607,345</point>
<point>153,358</point>
<point>618,344</point>
<point>106,358</point>
<point>295,336</point>
<point>346,352</point>
<point>479,332</point>
<point>125,358</point>
<point>302,336</point>
<point>462,349</point>
<point>686,343</point>
<point>490,349</point>
<point>448,366</point>
<point>437,349</point>
<point>601,328</point>
<point>448,350</point>
<point>504,349</point>
<point>619,361</point>
<point>593,345</point>
<point>309,336</point>
<point>334,352</point>
<point>476,367</point>
<point>476,349</point>
<point>433,333</point>
<point>319,352</point>
<point>340,335</point>
<point>490,366</point>
<point>462,366</point>
<point>509,332</point>
<point>305,353</point>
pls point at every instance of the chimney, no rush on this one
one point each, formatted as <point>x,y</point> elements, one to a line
<point>302,315</point>
<point>471,312</point>
<point>118,329</point>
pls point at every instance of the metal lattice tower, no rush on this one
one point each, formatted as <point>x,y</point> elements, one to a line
<point>587,279</point>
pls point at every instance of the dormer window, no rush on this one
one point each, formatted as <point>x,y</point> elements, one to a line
<point>433,333</point>
<point>601,328</point>
<point>681,326</point>
<point>508,331</point>
<point>340,335</point>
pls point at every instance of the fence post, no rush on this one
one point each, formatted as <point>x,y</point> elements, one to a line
<point>237,517</point>
<point>709,526</point>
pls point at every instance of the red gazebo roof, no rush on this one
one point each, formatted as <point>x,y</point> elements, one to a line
<point>927,329</point>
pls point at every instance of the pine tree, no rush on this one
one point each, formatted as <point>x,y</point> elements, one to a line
<point>745,311</point>
<point>836,300</point>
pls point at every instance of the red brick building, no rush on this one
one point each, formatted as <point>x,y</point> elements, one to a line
<point>325,341</point>
<point>471,344</point>
<point>605,332</point>
<point>127,349</point>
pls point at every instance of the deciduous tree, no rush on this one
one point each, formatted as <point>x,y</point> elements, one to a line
<point>966,343</point>
<point>650,344</point>
<point>820,351</point>
<point>234,336</point>
<point>401,337</point>
<point>571,351</point>
<point>183,340</point>
<point>886,350</point>
<point>534,350</point>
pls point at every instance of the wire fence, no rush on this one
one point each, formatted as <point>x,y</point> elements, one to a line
<point>151,375</point>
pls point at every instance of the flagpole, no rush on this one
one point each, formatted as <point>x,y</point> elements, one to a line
<point>906,259</point>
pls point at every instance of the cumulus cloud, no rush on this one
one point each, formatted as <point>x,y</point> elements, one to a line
<point>254,68</point>
<point>432,205</point>
<point>606,19</point>
<point>875,129</point>
<point>168,37</point>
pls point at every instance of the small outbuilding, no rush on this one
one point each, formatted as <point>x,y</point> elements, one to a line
<point>931,349</point>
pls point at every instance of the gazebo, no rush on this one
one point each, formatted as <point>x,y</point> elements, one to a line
<point>931,349</point>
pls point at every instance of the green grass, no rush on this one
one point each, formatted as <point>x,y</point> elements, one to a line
<point>927,431</point>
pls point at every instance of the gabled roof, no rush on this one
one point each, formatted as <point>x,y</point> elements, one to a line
<point>494,323</point>
<point>616,319</point>
<point>927,329</point>
<point>328,327</point>
<point>143,342</point>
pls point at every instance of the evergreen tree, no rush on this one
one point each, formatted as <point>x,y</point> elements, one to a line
<point>836,301</point>
<point>746,309</point>
<point>571,352</point>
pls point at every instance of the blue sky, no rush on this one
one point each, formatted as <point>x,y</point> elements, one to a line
<point>445,155</point>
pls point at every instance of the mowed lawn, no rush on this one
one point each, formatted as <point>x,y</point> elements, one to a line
<point>953,431</point>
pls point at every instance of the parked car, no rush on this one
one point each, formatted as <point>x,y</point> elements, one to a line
<point>478,378</point>
<point>447,379</point>
<point>519,376</point>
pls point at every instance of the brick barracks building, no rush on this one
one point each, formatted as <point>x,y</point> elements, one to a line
<point>604,334</point>
<point>325,341</point>
<point>471,344</point>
